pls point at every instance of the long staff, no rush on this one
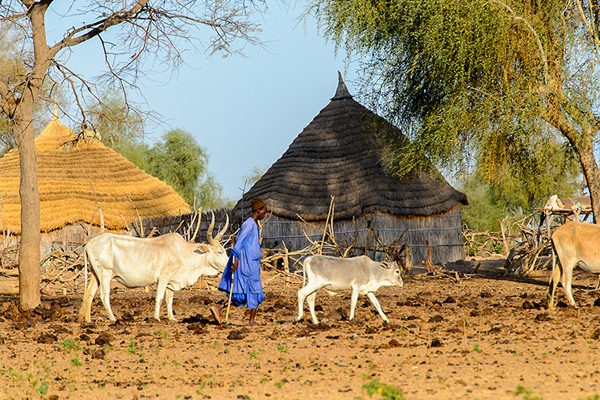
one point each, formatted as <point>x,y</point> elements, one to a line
<point>229,301</point>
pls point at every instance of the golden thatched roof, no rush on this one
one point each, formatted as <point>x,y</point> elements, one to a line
<point>77,179</point>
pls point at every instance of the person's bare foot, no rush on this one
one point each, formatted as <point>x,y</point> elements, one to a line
<point>216,314</point>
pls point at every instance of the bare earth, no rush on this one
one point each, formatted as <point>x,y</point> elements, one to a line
<point>486,337</point>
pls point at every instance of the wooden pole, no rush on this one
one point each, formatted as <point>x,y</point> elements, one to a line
<point>229,301</point>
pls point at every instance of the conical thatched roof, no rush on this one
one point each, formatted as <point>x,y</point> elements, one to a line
<point>338,154</point>
<point>77,178</point>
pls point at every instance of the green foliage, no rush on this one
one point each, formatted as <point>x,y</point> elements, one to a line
<point>182,163</point>
<point>282,348</point>
<point>69,344</point>
<point>385,392</point>
<point>135,350</point>
<point>119,127</point>
<point>525,393</point>
<point>495,84</point>
<point>483,213</point>
<point>254,176</point>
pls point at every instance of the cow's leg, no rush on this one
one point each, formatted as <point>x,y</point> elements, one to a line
<point>161,288</point>
<point>567,281</point>
<point>353,301</point>
<point>554,279</point>
<point>105,293</point>
<point>169,300</point>
<point>85,312</point>
<point>375,303</point>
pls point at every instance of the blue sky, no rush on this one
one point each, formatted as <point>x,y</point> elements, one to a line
<point>244,110</point>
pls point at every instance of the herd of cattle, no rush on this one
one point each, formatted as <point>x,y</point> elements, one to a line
<point>173,263</point>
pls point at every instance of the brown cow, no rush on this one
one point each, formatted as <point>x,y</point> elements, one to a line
<point>575,244</point>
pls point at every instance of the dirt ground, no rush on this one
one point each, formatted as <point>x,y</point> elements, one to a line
<point>487,336</point>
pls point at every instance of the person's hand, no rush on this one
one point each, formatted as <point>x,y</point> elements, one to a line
<point>234,264</point>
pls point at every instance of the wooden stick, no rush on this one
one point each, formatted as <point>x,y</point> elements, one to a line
<point>230,294</point>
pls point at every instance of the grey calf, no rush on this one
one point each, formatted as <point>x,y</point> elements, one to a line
<point>359,274</point>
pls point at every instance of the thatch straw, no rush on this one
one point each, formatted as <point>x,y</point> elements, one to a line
<point>75,178</point>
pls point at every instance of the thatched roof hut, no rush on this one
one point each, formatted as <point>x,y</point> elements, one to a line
<point>83,181</point>
<point>339,154</point>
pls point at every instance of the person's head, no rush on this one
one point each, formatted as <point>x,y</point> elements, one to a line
<point>259,208</point>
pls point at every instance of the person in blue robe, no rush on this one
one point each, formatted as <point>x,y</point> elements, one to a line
<point>242,272</point>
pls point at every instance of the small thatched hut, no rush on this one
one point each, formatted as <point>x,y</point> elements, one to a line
<point>339,154</point>
<point>82,181</point>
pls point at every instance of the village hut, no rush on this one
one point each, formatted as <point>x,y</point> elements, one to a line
<point>340,154</point>
<point>82,184</point>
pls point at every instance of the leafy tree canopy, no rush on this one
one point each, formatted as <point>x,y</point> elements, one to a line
<point>511,85</point>
<point>119,127</point>
<point>180,161</point>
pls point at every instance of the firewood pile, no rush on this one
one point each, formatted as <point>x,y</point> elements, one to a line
<point>9,256</point>
<point>482,244</point>
<point>62,265</point>
<point>533,248</point>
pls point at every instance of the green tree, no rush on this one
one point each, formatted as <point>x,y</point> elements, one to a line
<point>120,127</point>
<point>254,176</point>
<point>484,213</point>
<point>129,33</point>
<point>182,163</point>
<point>511,85</point>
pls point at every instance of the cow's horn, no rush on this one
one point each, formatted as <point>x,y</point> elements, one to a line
<point>210,229</point>
<point>222,231</point>
<point>199,216</point>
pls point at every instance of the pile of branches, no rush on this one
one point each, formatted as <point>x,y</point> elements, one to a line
<point>486,244</point>
<point>9,255</point>
<point>533,248</point>
<point>63,265</point>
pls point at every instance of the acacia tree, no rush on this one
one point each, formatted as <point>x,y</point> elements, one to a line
<point>510,85</point>
<point>128,33</point>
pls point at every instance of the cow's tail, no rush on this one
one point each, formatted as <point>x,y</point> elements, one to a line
<point>555,276</point>
<point>85,269</point>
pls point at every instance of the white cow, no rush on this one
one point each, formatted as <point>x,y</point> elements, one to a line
<point>575,244</point>
<point>168,260</point>
<point>359,274</point>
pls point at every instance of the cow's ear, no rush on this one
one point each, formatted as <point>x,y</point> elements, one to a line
<point>201,248</point>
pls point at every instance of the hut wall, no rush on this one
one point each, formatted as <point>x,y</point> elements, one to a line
<point>73,235</point>
<point>169,224</point>
<point>443,231</point>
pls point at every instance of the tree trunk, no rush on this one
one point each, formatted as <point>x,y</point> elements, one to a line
<point>592,177</point>
<point>29,249</point>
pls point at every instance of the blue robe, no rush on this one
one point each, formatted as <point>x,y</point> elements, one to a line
<point>247,285</point>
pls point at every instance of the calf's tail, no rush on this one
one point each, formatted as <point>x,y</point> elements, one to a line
<point>304,265</point>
